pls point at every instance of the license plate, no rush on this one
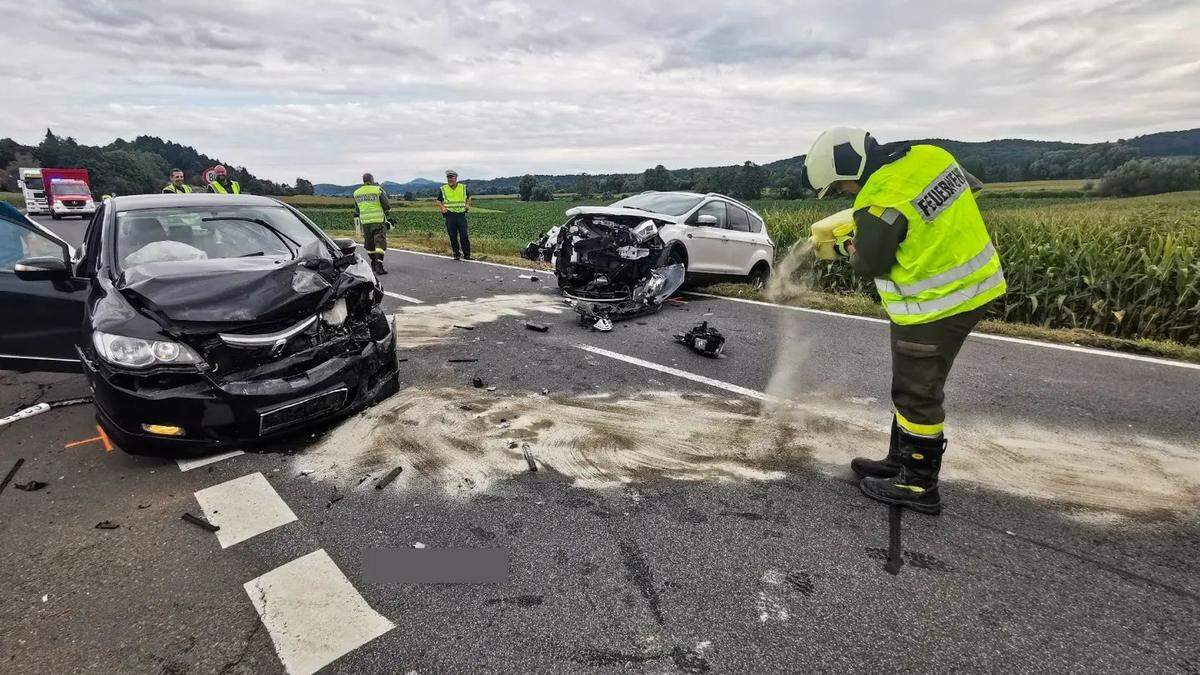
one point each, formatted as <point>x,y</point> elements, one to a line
<point>300,411</point>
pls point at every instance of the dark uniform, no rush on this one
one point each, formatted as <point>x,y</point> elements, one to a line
<point>371,207</point>
<point>454,199</point>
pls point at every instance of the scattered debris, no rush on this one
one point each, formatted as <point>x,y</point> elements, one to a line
<point>144,506</point>
<point>539,327</point>
<point>530,277</point>
<point>334,498</point>
<point>199,522</point>
<point>477,382</point>
<point>304,473</point>
<point>464,327</point>
<point>107,525</point>
<point>677,301</point>
<point>418,545</point>
<point>529,457</point>
<point>11,472</point>
<point>545,392</point>
<point>25,413</point>
<point>401,360</point>
<point>491,389</point>
<point>387,480</point>
<point>45,598</point>
<point>461,360</point>
<point>363,479</point>
<point>703,340</point>
<point>31,486</point>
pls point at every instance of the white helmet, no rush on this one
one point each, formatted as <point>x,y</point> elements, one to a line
<point>839,153</point>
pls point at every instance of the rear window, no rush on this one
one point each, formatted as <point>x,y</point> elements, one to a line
<point>205,233</point>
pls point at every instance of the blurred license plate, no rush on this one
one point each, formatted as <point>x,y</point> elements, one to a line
<point>301,410</point>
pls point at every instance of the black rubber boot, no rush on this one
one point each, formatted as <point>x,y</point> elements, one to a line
<point>916,485</point>
<point>880,468</point>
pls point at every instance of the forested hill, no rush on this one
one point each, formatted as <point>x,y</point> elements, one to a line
<point>129,167</point>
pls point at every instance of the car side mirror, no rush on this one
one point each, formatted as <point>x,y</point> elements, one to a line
<point>706,220</point>
<point>345,245</point>
<point>41,268</point>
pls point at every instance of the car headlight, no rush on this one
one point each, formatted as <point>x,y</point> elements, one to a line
<point>133,352</point>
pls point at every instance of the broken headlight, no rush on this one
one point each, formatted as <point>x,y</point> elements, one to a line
<point>133,352</point>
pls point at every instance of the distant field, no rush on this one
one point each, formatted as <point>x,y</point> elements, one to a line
<point>1038,185</point>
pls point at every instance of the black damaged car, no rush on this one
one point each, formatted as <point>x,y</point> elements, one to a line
<point>200,321</point>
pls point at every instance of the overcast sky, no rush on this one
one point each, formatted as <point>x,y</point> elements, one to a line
<point>326,90</point>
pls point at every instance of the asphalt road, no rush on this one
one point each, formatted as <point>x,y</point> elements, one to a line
<point>663,569</point>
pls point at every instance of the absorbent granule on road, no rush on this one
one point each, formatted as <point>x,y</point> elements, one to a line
<point>423,325</point>
<point>447,435</point>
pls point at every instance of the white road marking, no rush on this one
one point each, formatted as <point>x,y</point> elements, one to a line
<point>243,508</point>
<point>479,262</point>
<point>983,336</point>
<point>37,358</point>
<point>403,297</point>
<point>720,384</point>
<point>313,613</point>
<point>189,464</point>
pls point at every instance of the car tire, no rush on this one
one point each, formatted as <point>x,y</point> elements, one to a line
<point>760,275</point>
<point>674,256</point>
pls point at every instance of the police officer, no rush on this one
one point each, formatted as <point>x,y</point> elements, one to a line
<point>455,201</point>
<point>919,234</point>
<point>221,184</point>
<point>176,185</point>
<point>371,207</point>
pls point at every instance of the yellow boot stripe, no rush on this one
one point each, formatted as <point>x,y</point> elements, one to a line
<point>920,429</point>
<point>911,488</point>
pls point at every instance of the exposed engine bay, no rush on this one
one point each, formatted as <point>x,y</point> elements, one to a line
<point>610,267</point>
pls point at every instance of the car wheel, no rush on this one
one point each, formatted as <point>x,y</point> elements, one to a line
<point>760,275</point>
<point>675,257</point>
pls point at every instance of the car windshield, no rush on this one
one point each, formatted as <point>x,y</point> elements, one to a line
<point>71,187</point>
<point>669,203</point>
<point>192,233</point>
<point>33,183</point>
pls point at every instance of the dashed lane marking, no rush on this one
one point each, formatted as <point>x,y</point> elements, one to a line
<point>313,613</point>
<point>720,384</point>
<point>189,464</point>
<point>403,297</point>
<point>982,336</point>
<point>243,508</point>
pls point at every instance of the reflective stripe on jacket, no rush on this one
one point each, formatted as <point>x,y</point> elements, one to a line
<point>455,198</point>
<point>370,211</point>
<point>234,187</point>
<point>946,264</point>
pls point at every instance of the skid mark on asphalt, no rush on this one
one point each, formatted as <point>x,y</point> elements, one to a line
<point>189,464</point>
<point>243,508</point>
<point>313,613</point>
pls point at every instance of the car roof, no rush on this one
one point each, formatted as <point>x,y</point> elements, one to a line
<point>202,199</point>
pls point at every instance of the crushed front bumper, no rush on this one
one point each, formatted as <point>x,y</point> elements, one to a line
<point>237,414</point>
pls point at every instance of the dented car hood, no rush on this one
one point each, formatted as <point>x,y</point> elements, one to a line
<point>236,289</point>
<point>620,211</point>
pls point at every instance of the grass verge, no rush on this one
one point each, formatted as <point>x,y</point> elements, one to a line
<point>861,305</point>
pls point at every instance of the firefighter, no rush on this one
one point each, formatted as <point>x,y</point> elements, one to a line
<point>176,184</point>
<point>919,234</point>
<point>371,207</point>
<point>454,200</point>
<point>221,184</point>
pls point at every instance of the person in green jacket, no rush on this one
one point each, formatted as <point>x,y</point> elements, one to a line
<point>919,234</point>
<point>176,184</point>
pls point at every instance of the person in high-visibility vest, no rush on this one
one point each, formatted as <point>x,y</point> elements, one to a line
<point>176,184</point>
<point>919,233</point>
<point>455,201</point>
<point>221,184</point>
<point>371,208</point>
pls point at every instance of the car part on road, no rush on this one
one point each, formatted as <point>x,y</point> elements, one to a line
<point>477,382</point>
<point>12,472</point>
<point>529,457</point>
<point>200,522</point>
<point>43,407</point>
<point>387,480</point>
<point>703,340</point>
<point>31,486</point>
<point>539,327</point>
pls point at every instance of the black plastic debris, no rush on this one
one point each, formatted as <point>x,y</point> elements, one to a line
<point>199,522</point>
<point>12,472</point>
<point>534,278</point>
<point>464,327</point>
<point>31,486</point>
<point>528,457</point>
<point>387,480</point>
<point>334,498</point>
<point>539,327</point>
<point>461,360</point>
<point>477,382</point>
<point>107,525</point>
<point>703,340</point>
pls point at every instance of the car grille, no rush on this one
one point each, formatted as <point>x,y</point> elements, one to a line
<point>73,203</point>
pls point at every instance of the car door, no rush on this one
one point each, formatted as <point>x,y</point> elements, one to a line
<point>741,240</point>
<point>41,302</point>
<point>706,243</point>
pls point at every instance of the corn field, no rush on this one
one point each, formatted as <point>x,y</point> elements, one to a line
<point>1124,267</point>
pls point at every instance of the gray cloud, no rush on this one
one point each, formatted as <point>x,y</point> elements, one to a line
<point>326,90</point>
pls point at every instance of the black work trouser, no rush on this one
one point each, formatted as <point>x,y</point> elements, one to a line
<point>456,229</point>
<point>375,239</point>
<point>922,356</point>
